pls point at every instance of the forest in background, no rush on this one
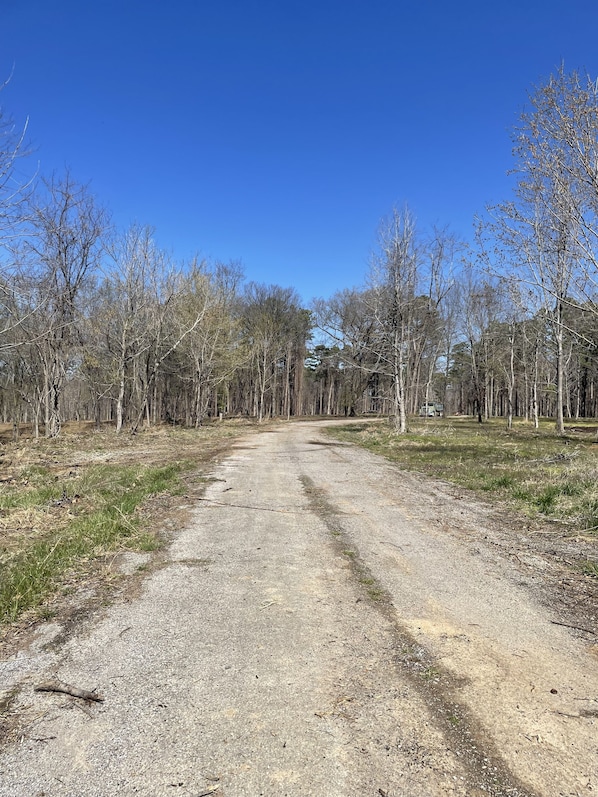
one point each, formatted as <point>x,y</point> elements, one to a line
<point>100,324</point>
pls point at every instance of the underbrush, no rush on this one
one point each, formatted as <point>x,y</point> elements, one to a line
<point>531,470</point>
<point>67,503</point>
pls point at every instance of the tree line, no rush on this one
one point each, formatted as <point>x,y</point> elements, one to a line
<point>505,326</point>
<point>100,324</point>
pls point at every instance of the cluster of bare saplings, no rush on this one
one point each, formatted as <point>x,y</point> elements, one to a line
<point>99,324</point>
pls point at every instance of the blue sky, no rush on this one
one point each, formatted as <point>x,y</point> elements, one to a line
<point>280,133</point>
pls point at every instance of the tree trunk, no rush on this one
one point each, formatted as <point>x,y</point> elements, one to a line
<point>560,371</point>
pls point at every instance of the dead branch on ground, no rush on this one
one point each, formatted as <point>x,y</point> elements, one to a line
<point>67,689</point>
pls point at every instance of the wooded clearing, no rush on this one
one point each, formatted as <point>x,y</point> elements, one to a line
<point>99,324</point>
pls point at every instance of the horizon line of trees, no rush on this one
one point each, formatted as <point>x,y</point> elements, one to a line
<point>99,324</point>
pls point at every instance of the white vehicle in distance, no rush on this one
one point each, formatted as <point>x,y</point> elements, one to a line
<point>431,409</point>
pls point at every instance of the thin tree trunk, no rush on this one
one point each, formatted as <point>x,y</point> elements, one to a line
<point>560,372</point>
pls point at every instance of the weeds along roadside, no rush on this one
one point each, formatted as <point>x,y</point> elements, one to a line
<point>67,503</point>
<point>530,470</point>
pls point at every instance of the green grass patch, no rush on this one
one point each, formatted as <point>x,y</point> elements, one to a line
<point>376,593</point>
<point>590,568</point>
<point>103,520</point>
<point>39,496</point>
<point>490,483</point>
<point>431,674</point>
<point>546,499</point>
<point>590,514</point>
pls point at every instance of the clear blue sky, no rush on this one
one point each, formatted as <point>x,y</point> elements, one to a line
<point>279,133</point>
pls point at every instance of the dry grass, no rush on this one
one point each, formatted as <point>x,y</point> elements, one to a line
<point>69,502</point>
<point>531,470</point>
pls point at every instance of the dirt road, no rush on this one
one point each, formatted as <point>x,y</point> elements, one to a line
<point>325,625</point>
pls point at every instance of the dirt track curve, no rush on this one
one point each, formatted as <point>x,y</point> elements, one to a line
<point>325,625</point>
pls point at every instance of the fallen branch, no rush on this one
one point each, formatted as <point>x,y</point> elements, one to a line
<point>551,460</point>
<point>74,691</point>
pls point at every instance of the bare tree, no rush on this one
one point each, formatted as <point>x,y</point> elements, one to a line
<point>127,314</point>
<point>210,353</point>
<point>14,185</point>
<point>408,282</point>
<point>15,189</point>
<point>480,299</point>
<point>544,229</point>
<point>390,335</point>
<point>437,322</point>
<point>352,332</point>
<point>566,115</point>
<point>275,329</point>
<point>59,253</point>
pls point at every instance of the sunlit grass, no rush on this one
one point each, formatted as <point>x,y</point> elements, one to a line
<point>532,470</point>
<point>110,495</point>
<point>67,503</point>
<point>590,568</point>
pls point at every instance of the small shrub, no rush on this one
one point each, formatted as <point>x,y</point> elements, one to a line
<point>571,489</point>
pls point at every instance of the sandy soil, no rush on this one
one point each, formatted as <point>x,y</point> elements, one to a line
<point>323,625</point>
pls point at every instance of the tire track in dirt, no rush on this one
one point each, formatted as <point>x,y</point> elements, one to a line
<point>263,656</point>
<point>438,688</point>
<point>529,684</point>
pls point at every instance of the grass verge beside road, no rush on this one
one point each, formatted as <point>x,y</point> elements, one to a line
<point>532,470</point>
<point>67,504</point>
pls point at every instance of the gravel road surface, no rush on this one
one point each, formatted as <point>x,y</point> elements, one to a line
<point>324,625</point>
